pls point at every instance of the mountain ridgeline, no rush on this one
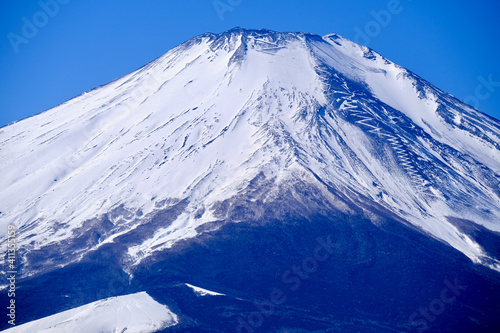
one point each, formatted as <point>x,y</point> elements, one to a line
<point>258,181</point>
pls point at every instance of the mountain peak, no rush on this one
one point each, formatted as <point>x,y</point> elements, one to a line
<point>214,115</point>
<point>246,169</point>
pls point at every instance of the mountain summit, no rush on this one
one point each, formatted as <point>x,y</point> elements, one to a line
<point>236,152</point>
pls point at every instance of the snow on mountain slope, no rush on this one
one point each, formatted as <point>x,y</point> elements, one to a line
<point>203,292</point>
<point>200,123</point>
<point>420,101</point>
<point>131,313</point>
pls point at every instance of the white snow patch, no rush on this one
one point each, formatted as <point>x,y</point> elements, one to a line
<point>203,292</point>
<point>130,313</point>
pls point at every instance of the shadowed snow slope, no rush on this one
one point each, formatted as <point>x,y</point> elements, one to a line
<point>247,126</point>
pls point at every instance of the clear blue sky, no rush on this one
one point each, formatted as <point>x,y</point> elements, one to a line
<point>83,44</point>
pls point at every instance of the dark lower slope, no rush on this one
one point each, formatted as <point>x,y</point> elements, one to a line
<point>376,279</point>
<point>296,271</point>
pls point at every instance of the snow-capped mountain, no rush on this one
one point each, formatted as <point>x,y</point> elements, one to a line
<point>248,129</point>
<point>130,313</point>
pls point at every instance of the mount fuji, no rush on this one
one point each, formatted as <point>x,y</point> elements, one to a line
<point>257,181</point>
